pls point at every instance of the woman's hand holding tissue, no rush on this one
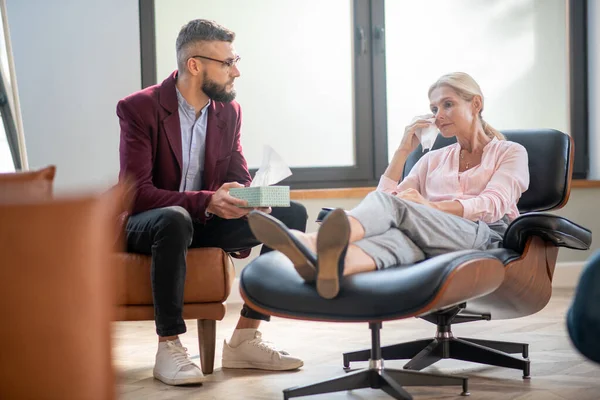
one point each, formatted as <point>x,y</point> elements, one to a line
<point>410,140</point>
<point>224,205</point>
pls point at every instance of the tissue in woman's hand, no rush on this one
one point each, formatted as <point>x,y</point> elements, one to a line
<point>426,135</point>
<point>272,170</point>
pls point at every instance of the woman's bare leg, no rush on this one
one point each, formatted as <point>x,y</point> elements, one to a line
<point>357,232</point>
<point>357,261</point>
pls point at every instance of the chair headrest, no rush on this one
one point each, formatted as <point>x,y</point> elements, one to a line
<point>550,162</point>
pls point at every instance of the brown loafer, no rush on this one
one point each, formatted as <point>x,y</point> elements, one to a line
<point>332,244</point>
<point>276,235</point>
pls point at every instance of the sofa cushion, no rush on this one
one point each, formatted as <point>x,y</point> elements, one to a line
<point>209,277</point>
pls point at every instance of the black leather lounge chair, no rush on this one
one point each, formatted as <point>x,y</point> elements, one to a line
<point>463,286</point>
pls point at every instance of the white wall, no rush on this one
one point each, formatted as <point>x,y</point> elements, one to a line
<point>74,60</point>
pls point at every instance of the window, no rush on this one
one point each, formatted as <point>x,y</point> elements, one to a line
<point>296,85</point>
<point>12,155</point>
<point>517,50</point>
<point>513,49</point>
<point>6,161</point>
<point>350,75</point>
<point>305,87</point>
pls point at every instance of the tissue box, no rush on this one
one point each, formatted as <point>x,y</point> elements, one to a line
<point>263,196</point>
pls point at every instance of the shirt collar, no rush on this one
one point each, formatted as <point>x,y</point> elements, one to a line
<point>182,102</point>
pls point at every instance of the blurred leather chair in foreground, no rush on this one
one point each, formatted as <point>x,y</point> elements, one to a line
<point>57,292</point>
<point>27,186</point>
<point>208,283</point>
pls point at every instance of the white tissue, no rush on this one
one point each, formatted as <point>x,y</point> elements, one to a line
<point>426,135</point>
<point>272,169</point>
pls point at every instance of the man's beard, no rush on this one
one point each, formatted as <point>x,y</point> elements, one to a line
<point>217,92</point>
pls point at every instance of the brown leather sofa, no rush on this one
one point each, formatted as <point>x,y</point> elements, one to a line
<point>56,289</point>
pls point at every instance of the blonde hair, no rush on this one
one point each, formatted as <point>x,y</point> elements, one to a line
<point>466,87</point>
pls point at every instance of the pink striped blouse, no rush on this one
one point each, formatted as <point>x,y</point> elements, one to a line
<point>488,191</point>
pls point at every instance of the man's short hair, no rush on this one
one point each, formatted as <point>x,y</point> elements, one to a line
<point>195,31</point>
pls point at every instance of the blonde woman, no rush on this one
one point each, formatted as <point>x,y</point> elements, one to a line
<point>459,197</point>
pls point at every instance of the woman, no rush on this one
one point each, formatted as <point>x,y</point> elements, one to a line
<point>462,196</point>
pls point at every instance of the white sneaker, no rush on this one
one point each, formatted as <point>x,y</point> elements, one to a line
<point>173,365</point>
<point>256,353</point>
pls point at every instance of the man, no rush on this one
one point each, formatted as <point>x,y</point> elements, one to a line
<point>180,142</point>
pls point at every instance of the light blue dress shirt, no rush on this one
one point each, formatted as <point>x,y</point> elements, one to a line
<point>193,144</point>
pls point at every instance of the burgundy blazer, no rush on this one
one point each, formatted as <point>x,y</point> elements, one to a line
<point>151,154</point>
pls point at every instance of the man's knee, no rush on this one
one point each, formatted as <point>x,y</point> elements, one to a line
<point>294,216</point>
<point>298,210</point>
<point>175,223</point>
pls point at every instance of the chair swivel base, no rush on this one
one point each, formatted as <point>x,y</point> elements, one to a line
<point>390,381</point>
<point>425,352</point>
<point>376,376</point>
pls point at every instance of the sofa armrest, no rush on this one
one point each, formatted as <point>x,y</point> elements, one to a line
<point>558,230</point>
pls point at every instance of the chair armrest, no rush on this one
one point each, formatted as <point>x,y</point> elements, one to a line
<point>323,213</point>
<point>558,230</point>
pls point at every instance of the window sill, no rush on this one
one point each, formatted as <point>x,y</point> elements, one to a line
<point>360,192</point>
<point>584,183</point>
<point>341,193</point>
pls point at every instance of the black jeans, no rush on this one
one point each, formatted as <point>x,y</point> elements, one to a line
<point>166,234</point>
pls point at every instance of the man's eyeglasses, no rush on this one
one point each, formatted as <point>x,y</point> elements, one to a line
<point>229,63</point>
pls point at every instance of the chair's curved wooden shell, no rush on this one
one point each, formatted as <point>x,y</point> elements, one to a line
<point>527,284</point>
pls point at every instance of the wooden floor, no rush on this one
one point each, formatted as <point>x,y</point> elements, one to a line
<point>558,371</point>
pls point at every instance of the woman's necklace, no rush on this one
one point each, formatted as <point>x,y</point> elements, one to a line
<point>462,157</point>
